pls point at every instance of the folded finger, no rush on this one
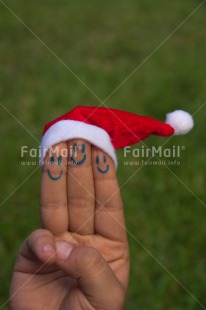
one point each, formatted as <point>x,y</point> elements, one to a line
<point>37,253</point>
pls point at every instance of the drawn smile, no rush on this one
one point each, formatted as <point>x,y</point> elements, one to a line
<point>74,162</point>
<point>104,159</point>
<point>52,162</point>
<point>103,171</point>
<point>52,177</point>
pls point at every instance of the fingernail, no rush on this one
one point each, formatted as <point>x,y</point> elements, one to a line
<point>63,250</point>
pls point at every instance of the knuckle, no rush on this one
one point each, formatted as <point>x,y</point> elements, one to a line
<point>35,239</point>
<point>38,234</point>
<point>54,205</point>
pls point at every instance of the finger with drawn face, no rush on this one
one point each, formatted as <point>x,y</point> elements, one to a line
<point>53,199</point>
<point>80,187</point>
<point>109,217</point>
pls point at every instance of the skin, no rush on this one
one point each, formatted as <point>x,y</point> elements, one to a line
<point>80,260</point>
<point>52,162</point>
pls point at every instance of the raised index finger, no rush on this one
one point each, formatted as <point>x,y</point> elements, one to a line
<point>53,199</point>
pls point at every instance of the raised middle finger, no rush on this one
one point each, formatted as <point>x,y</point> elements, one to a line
<point>80,187</point>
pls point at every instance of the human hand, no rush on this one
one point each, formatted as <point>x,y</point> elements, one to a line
<point>81,259</point>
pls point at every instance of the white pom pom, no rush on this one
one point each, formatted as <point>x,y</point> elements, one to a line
<point>181,121</point>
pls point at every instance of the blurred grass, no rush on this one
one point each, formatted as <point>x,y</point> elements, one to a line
<point>102,42</point>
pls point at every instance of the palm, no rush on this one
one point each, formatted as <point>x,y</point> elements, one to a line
<point>115,252</point>
<point>50,284</point>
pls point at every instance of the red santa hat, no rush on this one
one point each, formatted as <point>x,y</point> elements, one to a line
<point>111,129</point>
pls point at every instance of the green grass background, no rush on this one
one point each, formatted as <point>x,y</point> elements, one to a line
<point>102,42</point>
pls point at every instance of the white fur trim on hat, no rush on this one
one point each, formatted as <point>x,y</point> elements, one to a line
<point>68,129</point>
<point>181,121</point>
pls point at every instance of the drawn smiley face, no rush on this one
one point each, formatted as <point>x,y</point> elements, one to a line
<point>52,162</point>
<point>75,149</point>
<point>104,159</point>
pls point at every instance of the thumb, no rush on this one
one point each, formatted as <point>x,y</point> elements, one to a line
<point>95,277</point>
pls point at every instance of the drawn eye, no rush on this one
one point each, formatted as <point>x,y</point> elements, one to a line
<point>104,159</point>
<point>59,160</point>
<point>52,160</point>
<point>97,160</point>
<point>75,148</point>
<point>82,148</point>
